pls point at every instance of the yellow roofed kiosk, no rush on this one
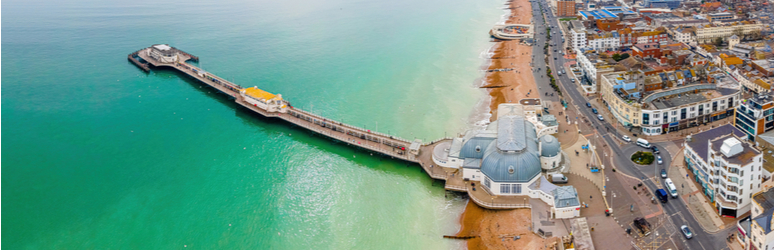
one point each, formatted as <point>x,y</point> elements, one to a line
<point>265,100</point>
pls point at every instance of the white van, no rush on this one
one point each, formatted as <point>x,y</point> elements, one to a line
<point>643,143</point>
<point>670,187</point>
<point>558,178</point>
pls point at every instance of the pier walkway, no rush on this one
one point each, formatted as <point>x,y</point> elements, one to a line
<point>394,147</point>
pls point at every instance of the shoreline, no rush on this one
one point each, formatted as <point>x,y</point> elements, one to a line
<point>502,87</point>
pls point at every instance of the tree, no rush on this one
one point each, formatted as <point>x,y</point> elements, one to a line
<point>617,57</point>
<point>718,41</point>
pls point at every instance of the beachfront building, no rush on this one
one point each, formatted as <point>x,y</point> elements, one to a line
<point>578,32</point>
<point>265,100</point>
<point>664,102</point>
<point>506,159</point>
<point>727,166</point>
<point>163,53</point>
<point>755,115</point>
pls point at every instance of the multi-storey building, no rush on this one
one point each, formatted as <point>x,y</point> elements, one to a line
<point>710,32</point>
<point>646,50</point>
<point>603,41</point>
<point>655,36</point>
<point>684,35</point>
<point>578,32</point>
<point>727,167</point>
<point>755,115</point>
<point>565,8</point>
<point>755,231</point>
<point>686,103</point>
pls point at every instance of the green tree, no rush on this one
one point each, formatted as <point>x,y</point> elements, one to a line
<point>617,57</point>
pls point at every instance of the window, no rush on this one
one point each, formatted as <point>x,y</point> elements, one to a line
<point>516,188</point>
<point>487,183</point>
<point>505,188</point>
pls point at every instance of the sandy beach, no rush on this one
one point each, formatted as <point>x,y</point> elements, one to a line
<point>513,85</point>
<point>495,229</point>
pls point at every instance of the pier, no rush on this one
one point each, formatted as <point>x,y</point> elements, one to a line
<point>163,56</point>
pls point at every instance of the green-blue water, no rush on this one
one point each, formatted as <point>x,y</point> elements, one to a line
<point>99,155</point>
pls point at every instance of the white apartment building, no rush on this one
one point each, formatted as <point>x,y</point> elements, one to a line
<point>756,230</point>
<point>602,43</point>
<point>578,37</point>
<point>727,166</point>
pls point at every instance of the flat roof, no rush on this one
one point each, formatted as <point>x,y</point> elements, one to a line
<point>162,47</point>
<point>676,102</point>
<point>258,93</point>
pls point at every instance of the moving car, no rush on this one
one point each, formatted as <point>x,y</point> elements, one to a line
<point>594,111</point>
<point>662,195</point>
<point>670,186</point>
<point>643,143</point>
<point>663,174</point>
<point>686,232</point>
<point>626,138</point>
<point>655,150</point>
<point>600,117</point>
<point>658,158</point>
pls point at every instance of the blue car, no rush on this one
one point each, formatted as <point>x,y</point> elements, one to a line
<point>595,111</point>
<point>588,105</point>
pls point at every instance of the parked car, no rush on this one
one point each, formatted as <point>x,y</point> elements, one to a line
<point>572,80</point>
<point>658,159</point>
<point>687,232</point>
<point>655,150</point>
<point>663,174</point>
<point>594,111</point>
<point>600,117</point>
<point>626,138</point>
<point>588,105</point>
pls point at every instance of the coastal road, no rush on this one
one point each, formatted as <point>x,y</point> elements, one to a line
<point>607,140</point>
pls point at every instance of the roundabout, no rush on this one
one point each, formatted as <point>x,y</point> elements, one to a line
<point>643,158</point>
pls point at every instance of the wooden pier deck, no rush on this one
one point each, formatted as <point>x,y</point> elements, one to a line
<point>394,147</point>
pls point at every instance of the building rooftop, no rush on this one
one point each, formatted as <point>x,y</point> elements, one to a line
<point>565,196</point>
<point>742,158</point>
<point>699,141</point>
<point>766,200</point>
<point>259,93</point>
<point>664,103</point>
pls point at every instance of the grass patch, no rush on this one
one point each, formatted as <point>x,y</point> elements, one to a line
<point>643,158</point>
<point>568,19</point>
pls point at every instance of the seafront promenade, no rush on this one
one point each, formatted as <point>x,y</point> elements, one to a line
<point>388,145</point>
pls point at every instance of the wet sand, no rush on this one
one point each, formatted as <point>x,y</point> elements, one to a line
<point>495,229</point>
<point>514,85</point>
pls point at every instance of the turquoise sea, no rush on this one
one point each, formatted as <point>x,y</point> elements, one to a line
<point>97,154</point>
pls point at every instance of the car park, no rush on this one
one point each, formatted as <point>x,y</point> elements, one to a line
<point>626,138</point>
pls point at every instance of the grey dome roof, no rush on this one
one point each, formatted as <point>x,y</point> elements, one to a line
<point>550,146</point>
<point>513,165</point>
